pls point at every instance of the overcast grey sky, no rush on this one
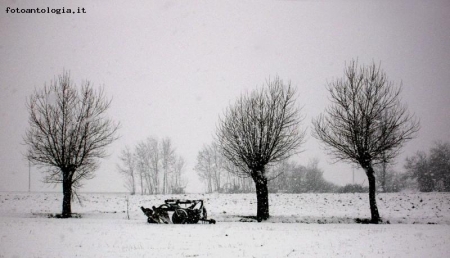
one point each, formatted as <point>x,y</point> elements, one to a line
<point>172,67</point>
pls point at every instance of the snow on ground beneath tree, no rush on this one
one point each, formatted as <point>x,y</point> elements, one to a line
<point>301,225</point>
<point>395,208</point>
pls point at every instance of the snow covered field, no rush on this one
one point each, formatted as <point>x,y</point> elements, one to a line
<point>304,225</point>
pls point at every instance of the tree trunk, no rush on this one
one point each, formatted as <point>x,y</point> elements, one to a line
<point>375,216</point>
<point>67,198</point>
<point>262,197</point>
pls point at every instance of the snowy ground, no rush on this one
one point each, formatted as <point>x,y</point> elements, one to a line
<point>304,225</point>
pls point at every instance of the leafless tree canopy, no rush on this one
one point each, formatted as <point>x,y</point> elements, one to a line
<point>68,130</point>
<point>366,121</point>
<point>262,127</point>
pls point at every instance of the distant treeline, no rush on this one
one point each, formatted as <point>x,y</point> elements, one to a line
<point>423,172</point>
<point>431,171</point>
<point>218,175</point>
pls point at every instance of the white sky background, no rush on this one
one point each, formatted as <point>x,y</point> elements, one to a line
<point>172,67</point>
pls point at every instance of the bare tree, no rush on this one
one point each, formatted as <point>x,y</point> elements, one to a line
<point>141,157</point>
<point>128,169</point>
<point>68,132</point>
<point>204,167</point>
<point>210,167</point>
<point>155,161</point>
<point>366,123</point>
<point>217,166</point>
<point>261,128</point>
<point>147,157</point>
<point>168,161</point>
<point>159,166</point>
<point>177,184</point>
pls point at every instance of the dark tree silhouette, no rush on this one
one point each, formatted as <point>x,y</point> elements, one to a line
<point>68,132</point>
<point>261,128</point>
<point>366,122</point>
